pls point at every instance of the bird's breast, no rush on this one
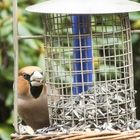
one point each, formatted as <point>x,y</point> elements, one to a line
<point>34,111</point>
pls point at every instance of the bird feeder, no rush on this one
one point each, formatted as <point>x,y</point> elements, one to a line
<point>89,62</point>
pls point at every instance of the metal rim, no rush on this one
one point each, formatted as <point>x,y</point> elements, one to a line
<point>85,7</point>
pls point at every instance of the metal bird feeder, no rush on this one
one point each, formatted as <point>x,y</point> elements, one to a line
<point>89,62</point>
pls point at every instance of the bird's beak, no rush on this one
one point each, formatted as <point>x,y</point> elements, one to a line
<point>36,79</point>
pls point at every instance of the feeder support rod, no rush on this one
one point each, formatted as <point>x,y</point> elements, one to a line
<point>15,41</point>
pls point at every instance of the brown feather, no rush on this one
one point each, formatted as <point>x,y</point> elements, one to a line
<point>23,86</point>
<point>34,111</point>
<point>29,70</point>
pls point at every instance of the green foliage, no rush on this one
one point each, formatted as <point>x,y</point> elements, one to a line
<point>135,22</point>
<point>5,131</point>
<point>30,53</point>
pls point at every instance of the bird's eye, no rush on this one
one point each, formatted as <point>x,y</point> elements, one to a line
<point>41,73</point>
<point>26,76</point>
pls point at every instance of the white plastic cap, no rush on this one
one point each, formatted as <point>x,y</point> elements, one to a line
<point>85,6</point>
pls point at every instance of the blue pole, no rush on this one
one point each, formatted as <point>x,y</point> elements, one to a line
<point>82,53</point>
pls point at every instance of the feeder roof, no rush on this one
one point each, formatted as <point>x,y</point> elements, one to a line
<point>85,6</point>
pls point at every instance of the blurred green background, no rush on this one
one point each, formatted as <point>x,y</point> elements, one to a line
<point>31,53</point>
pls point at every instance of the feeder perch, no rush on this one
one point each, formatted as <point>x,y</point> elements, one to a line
<point>89,62</point>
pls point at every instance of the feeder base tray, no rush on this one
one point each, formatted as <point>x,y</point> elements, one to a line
<point>93,135</point>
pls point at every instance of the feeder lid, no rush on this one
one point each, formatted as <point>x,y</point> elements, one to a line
<point>85,6</point>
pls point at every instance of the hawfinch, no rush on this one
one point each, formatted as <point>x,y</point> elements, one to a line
<point>32,97</point>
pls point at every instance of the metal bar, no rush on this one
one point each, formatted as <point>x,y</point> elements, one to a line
<point>63,36</point>
<point>135,31</point>
<point>31,37</point>
<point>15,41</point>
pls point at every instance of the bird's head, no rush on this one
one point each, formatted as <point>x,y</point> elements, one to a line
<point>32,74</point>
<point>32,77</point>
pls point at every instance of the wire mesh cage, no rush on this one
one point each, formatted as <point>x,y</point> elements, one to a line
<point>91,67</point>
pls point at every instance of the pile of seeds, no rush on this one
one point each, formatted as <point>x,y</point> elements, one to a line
<point>106,106</point>
<point>65,128</point>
